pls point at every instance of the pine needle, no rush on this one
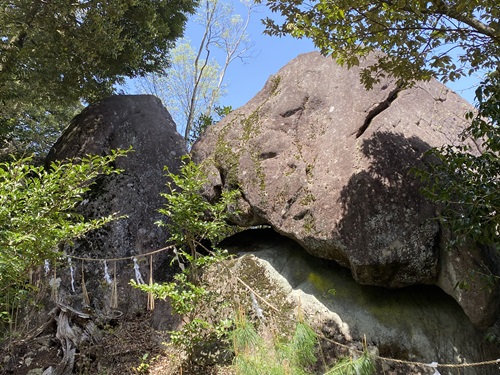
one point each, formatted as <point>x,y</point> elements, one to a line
<point>364,365</point>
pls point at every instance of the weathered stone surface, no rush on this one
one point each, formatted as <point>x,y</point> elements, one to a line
<point>467,273</point>
<point>326,163</point>
<point>120,122</point>
<point>418,324</point>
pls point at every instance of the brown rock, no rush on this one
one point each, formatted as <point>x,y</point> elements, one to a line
<point>327,163</point>
<point>469,273</point>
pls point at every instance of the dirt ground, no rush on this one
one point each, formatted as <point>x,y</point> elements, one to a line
<point>129,347</point>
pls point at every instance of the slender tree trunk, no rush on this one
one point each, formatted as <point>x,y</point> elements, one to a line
<point>205,44</point>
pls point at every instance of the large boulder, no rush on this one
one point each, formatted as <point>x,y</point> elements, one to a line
<point>120,122</point>
<point>88,305</point>
<point>329,164</point>
<point>419,324</point>
<point>469,272</point>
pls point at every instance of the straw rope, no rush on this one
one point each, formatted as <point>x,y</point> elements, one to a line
<point>405,362</point>
<point>401,361</point>
<point>88,259</point>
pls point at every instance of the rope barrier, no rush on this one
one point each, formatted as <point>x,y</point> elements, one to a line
<point>405,362</point>
<point>401,361</point>
<point>87,259</point>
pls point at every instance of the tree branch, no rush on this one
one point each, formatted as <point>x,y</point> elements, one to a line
<point>473,22</point>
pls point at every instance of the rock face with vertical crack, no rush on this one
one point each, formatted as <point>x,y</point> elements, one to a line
<point>328,163</point>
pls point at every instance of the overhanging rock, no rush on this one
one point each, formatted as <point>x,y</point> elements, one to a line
<point>328,163</point>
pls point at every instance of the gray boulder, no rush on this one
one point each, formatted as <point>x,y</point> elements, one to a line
<point>328,164</point>
<point>120,122</point>
<point>419,324</point>
<point>469,272</point>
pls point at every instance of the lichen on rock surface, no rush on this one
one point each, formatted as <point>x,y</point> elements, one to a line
<point>329,164</point>
<point>120,122</point>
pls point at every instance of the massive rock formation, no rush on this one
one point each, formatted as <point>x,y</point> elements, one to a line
<point>140,122</point>
<point>328,164</point>
<point>416,324</point>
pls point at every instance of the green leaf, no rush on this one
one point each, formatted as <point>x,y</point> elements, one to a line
<point>38,213</point>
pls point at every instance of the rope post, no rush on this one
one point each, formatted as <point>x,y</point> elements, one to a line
<point>114,289</point>
<point>151,300</point>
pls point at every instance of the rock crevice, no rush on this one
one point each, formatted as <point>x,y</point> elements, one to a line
<point>382,106</point>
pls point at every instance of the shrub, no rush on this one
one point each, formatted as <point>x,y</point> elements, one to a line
<point>37,214</point>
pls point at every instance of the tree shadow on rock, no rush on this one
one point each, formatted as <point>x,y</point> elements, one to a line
<point>387,225</point>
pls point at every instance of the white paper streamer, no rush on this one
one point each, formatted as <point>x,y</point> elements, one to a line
<point>434,365</point>
<point>106,274</point>
<point>256,307</point>
<point>138,276</point>
<point>72,272</point>
<point>181,265</point>
<point>46,266</point>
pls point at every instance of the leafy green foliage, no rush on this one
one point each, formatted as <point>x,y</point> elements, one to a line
<point>145,364</point>
<point>35,130</point>
<point>187,299</point>
<point>466,180</point>
<point>37,213</point>
<point>418,39</point>
<point>204,121</point>
<point>55,53</point>
<point>192,218</point>
<point>256,356</point>
<point>183,295</point>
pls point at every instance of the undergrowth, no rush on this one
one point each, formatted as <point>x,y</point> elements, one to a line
<point>214,302</point>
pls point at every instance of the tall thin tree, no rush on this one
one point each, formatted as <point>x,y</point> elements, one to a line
<point>194,83</point>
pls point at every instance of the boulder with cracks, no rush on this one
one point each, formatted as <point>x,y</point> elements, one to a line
<point>329,164</point>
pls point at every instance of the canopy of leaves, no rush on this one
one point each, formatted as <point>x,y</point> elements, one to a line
<point>55,53</point>
<point>37,213</point>
<point>419,39</point>
<point>35,129</point>
<point>466,181</point>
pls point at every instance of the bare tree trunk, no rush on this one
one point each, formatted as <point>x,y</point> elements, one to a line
<point>205,43</point>
<point>73,328</point>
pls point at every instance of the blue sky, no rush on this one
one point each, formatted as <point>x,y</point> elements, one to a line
<point>269,54</point>
<point>244,80</point>
<point>272,53</point>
